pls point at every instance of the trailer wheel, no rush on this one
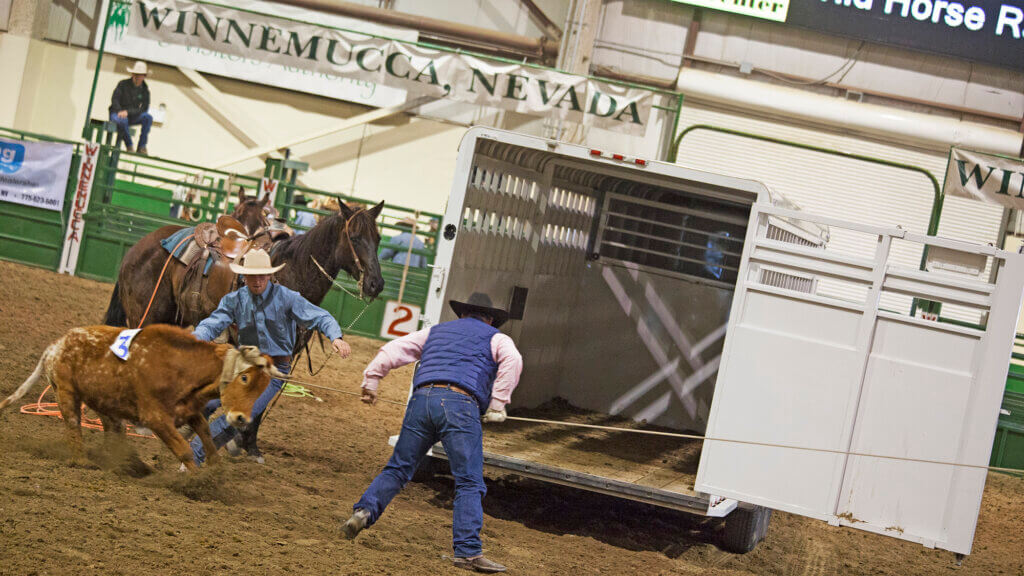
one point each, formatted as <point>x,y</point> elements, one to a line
<point>744,528</point>
<point>426,471</point>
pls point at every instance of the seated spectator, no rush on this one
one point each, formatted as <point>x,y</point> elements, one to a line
<point>303,218</point>
<point>398,247</point>
<point>129,105</point>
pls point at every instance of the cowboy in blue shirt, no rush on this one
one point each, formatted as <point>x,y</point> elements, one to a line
<point>402,240</point>
<point>266,315</point>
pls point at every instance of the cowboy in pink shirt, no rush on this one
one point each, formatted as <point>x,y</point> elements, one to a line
<point>467,372</point>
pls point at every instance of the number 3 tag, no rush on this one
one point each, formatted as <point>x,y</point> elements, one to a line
<point>124,340</point>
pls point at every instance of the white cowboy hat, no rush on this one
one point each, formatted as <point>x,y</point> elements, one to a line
<point>408,222</point>
<point>254,262</point>
<point>139,68</point>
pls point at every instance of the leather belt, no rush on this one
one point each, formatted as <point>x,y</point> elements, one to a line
<point>449,386</point>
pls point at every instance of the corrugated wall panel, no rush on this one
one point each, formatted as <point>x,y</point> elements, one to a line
<point>837,186</point>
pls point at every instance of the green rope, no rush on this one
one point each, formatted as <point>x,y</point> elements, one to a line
<point>295,391</point>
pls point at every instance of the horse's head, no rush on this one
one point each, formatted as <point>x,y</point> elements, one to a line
<point>357,247</point>
<point>254,213</point>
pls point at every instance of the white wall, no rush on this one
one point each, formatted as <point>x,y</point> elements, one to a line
<point>403,160</point>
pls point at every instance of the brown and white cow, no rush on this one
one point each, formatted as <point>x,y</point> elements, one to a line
<point>165,382</point>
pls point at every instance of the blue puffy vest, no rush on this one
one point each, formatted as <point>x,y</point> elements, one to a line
<point>459,352</point>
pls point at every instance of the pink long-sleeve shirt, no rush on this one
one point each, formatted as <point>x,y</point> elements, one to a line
<point>407,349</point>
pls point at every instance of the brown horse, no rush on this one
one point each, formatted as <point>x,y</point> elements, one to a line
<point>344,241</point>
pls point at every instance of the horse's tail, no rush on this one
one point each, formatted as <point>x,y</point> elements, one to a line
<point>116,315</point>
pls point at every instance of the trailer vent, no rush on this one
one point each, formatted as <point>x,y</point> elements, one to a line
<point>788,281</point>
<point>775,232</point>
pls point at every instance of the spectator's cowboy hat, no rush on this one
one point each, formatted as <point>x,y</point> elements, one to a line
<point>408,222</point>
<point>479,303</point>
<point>254,262</point>
<point>139,68</point>
<point>300,198</point>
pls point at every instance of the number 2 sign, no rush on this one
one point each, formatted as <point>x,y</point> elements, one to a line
<point>399,320</point>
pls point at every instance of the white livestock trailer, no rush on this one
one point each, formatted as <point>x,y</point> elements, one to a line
<point>689,301</point>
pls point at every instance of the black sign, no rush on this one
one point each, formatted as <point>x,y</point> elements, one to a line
<point>990,31</point>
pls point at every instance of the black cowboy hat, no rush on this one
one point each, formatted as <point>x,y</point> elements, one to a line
<point>299,198</point>
<point>479,303</point>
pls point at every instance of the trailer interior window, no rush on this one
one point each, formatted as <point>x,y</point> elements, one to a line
<point>672,233</point>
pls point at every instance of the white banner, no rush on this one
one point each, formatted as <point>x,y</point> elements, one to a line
<point>34,173</point>
<point>399,320</point>
<point>76,224</point>
<point>246,36</point>
<point>984,177</point>
<point>268,187</point>
<point>209,60</point>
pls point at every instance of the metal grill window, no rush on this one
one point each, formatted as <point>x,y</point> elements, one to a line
<point>675,235</point>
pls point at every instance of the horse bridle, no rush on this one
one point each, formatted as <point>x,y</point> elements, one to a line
<point>266,223</point>
<point>352,248</point>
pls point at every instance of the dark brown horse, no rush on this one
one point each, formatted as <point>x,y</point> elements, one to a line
<point>345,241</point>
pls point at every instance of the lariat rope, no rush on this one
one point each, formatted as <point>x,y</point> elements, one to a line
<point>687,436</point>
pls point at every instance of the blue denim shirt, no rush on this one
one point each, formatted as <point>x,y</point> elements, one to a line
<point>267,320</point>
<point>398,256</point>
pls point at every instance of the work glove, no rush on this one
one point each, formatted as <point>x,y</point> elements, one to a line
<point>493,416</point>
<point>369,396</point>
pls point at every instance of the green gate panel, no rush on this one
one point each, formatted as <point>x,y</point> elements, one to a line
<point>1008,449</point>
<point>31,235</point>
<point>141,197</point>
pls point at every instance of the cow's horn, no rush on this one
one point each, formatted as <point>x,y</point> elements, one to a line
<point>251,354</point>
<point>276,373</point>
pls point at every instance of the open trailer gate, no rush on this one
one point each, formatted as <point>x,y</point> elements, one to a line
<point>624,279</point>
<point>888,401</point>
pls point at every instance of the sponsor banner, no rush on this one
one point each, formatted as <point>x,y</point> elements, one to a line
<point>985,177</point>
<point>76,224</point>
<point>253,69</point>
<point>387,62</point>
<point>34,173</point>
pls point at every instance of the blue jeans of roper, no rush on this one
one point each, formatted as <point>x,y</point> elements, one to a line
<point>222,432</point>
<point>144,119</point>
<point>438,414</point>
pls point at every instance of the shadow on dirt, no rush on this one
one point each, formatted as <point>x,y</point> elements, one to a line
<point>562,510</point>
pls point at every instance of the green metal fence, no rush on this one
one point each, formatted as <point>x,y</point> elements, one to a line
<point>134,195</point>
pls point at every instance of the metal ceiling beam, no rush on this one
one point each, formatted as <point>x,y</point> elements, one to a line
<point>242,126</point>
<point>359,120</point>
<point>450,31</point>
<point>542,20</point>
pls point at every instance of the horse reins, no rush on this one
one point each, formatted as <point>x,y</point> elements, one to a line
<point>160,279</point>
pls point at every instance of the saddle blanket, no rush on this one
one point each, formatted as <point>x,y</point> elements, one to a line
<point>188,251</point>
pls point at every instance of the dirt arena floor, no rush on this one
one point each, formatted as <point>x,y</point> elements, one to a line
<point>283,517</point>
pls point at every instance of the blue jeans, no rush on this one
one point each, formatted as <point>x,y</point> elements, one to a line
<point>222,432</point>
<point>438,414</point>
<point>122,128</point>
